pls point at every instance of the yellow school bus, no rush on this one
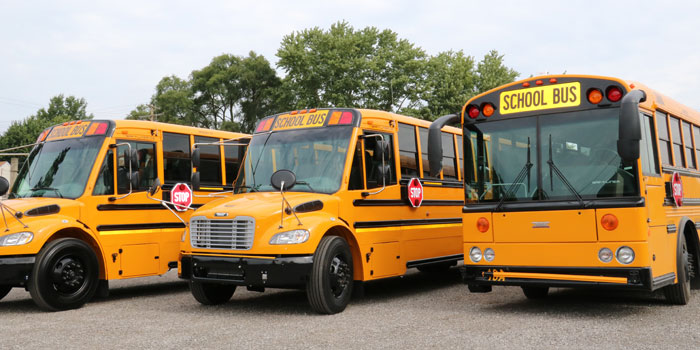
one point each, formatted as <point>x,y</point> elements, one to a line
<point>78,214</point>
<point>590,181</point>
<point>326,197</point>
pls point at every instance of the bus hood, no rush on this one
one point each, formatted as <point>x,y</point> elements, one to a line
<point>261,205</point>
<point>32,209</point>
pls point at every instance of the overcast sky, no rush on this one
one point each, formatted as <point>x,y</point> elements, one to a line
<point>114,53</point>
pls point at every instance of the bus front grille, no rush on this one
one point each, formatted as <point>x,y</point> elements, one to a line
<point>236,234</point>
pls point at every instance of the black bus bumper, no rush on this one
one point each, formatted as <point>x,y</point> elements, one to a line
<point>279,272</point>
<point>634,278</point>
<point>15,270</point>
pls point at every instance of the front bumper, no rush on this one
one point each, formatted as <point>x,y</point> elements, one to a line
<point>15,270</point>
<point>627,278</point>
<point>279,272</point>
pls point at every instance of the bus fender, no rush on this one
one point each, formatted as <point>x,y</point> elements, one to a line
<point>687,227</point>
<point>340,228</point>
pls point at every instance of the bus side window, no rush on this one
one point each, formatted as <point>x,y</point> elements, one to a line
<point>448,157</point>
<point>424,151</point>
<point>664,140</point>
<point>677,143</point>
<point>146,169</point>
<point>408,152</point>
<point>105,180</point>
<point>372,166</point>
<point>460,158</point>
<point>357,181</point>
<point>176,158</point>
<point>696,133</point>
<point>210,164</point>
<point>688,141</point>
<point>648,149</point>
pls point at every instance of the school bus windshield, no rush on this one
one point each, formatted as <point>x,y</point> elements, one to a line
<point>316,156</point>
<point>57,168</point>
<point>583,152</point>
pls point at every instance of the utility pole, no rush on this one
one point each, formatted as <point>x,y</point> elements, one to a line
<point>153,114</point>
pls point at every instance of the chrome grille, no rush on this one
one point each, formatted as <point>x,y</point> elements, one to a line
<point>236,234</point>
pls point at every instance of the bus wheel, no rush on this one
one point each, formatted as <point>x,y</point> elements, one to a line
<point>64,276</point>
<point>535,292</point>
<point>330,286</point>
<point>4,290</point>
<point>211,293</point>
<point>679,293</point>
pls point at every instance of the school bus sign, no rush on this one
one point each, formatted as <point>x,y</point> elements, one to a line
<point>540,98</point>
<point>300,120</point>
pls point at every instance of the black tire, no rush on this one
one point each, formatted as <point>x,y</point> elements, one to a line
<point>535,292</point>
<point>679,293</point>
<point>330,285</point>
<point>437,268</point>
<point>4,290</point>
<point>64,276</point>
<point>211,293</point>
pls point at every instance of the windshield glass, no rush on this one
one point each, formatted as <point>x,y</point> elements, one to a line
<point>57,168</point>
<point>581,145</point>
<point>316,156</point>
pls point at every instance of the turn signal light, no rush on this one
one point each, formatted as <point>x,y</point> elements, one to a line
<point>595,96</point>
<point>613,93</point>
<point>482,224</point>
<point>609,222</point>
<point>473,112</point>
<point>487,109</point>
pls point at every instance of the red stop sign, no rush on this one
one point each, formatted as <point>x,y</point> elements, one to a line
<point>677,189</point>
<point>181,196</point>
<point>415,192</point>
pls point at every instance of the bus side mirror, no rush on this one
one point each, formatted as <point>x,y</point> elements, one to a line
<point>630,131</point>
<point>4,186</point>
<point>382,152</point>
<point>195,181</point>
<point>435,142</point>
<point>195,158</point>
<point>283,176</point>
<point>154,187</point>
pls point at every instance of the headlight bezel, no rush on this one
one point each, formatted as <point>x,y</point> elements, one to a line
<point>297,236</point>
<point>473,254</point>
<point>16,239</point>
<point>631,251</point>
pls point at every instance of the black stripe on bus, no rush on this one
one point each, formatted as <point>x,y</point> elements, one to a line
<point>149,206</point>
<point>129,227</point>
<point>449,258</point>
<point>394,223</point>
<point>403,203</point>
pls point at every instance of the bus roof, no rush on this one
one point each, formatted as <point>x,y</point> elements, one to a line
<point>654,98</point>
<point>175,128</point>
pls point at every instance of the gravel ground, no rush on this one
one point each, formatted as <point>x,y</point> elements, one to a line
<point>415,312</point>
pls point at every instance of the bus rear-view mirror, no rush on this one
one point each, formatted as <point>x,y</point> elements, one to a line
<point>195,158</point>
<point>435,142</point>
<point>196,181</point>
<point>283,180</point>
<point>630,131</point>
<point>4,186</point>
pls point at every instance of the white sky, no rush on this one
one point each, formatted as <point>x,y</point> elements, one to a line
<point>114,53</point>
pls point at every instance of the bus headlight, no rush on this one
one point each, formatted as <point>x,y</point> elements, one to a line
<point>18,238</point>
<point>290,237</point>
<point>625,255</point>
<point>475,254</point>
<point>489,254</point>
<point>605,255</point>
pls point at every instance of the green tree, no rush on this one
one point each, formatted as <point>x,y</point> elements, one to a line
<point>61,109</point>
<point>450,82</point>
<point>345,67</point>
<point>492,73</point>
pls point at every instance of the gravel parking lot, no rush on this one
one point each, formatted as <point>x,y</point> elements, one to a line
<point>415,312</point>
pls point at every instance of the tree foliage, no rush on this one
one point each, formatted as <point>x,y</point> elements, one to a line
<point>61,109</point>
<point>338,67</point>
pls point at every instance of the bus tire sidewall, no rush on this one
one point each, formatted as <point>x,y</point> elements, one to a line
<point>51,258</point>
<point>331,250</point>
<point>211,293</point>
<point>679,293</point>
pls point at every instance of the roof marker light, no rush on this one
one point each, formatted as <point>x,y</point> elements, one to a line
<point>553,81</point>
<point>539,82</point>
<point>487,109</point>
<point>294,112</point>
<point>595,96</point>
<point>526,84</point>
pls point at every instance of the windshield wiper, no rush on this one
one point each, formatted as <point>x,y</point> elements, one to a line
<point>39,188</point>
<point>521,175</point>
<point>553,168</point>
<point>306,184</point>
